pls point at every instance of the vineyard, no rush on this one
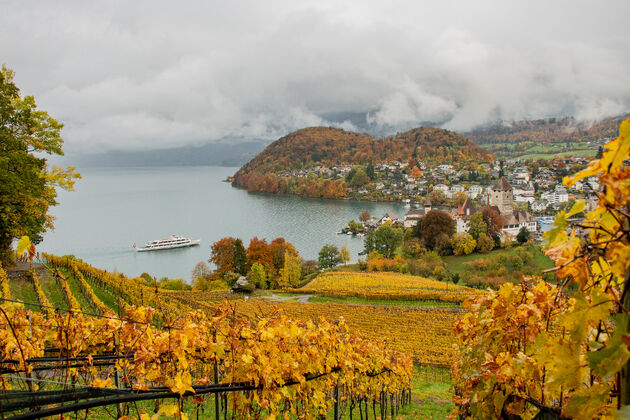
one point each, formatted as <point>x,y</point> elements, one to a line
<point>426,333</point>
<point>59,360</point>
<point>392,286</point>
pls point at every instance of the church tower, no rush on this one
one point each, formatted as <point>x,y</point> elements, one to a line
<point>502,197</point>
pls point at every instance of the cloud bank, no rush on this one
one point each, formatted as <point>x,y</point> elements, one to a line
<point>142,75</point>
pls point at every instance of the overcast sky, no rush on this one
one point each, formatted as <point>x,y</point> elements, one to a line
<point>148,74</point>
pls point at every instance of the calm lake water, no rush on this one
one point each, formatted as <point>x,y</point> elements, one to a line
<point>112,208</point>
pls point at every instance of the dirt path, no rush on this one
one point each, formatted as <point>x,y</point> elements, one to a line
<point>20,268</point>
<point>296,298</point>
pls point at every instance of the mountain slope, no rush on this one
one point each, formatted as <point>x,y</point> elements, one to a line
<point>327,146</point>
<point>548,130</point>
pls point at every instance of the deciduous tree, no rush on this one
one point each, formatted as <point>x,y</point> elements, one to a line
<point>257,276</point>
<point>385,240</point>
<point>291,272</point>
<point>463,244</point>
<point>485,243</point>
<point>27,184</point>
<point>222,255</point>
<point>328,257</point>
<point>476,226</point>
<point>344,255</point>
<point>437,197</point>
<point>433,224</point>
<point>459,198</point>
<point>493,221</point>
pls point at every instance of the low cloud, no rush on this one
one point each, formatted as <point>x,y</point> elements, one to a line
<point>141,76</point>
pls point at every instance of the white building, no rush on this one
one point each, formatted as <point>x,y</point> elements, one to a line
<point>540,205</point>
<point>517,220</point>
<point>474,191</point>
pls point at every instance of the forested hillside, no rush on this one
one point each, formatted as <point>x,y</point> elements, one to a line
<point>547,130</point>
<point>328,147</point>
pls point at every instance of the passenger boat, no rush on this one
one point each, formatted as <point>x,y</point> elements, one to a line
<point>174,241</point>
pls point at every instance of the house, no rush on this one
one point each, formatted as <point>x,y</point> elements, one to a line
<point>442,187</point>
<point>557,196</point>
<point>413,217</point>
<point>389,217</point>
<point>539,205</point>
<point>463,214</point>
<point>513,223</point>
<point>560,194</point>
<point>474,191</point>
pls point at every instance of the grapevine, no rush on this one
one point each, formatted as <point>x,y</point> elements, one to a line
<point>391,286</point>
<point>543,349</point>
<point>181,357</point>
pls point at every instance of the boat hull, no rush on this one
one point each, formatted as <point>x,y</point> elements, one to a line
<point>172,246</point>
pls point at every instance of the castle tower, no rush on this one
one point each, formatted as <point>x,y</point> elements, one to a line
<point>502,197</point>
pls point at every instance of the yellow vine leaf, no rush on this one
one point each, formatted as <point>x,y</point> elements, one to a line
<point>24,243</point>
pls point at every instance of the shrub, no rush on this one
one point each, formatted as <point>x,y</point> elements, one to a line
<point>485,243</point>
<point>463,244</point>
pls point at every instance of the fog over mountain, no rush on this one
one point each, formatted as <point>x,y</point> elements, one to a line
<point>143,75</point>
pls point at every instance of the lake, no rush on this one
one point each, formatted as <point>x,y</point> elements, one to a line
<point>113,208</point>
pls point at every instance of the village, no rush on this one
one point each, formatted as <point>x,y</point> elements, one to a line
<point>524,193</point>
<point>500,199</point>
<point>536,186</point>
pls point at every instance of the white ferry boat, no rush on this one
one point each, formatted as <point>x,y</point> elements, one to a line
<point>175,241</point>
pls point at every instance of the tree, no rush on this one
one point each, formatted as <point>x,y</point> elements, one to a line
<point>433,224</point>
<point>523,235</point>
<point>359,178</point>
<point>512,361</point>
<point>344,255</point>
<point>27,184</point>
<point>370,171</point>
<point>476,225</point>
<point>259,251</point>
<point>239,261</point>
<point>291,272</point>
<point>328,257</point>
<point>201,270</point>
<point>279,248</point>
<point>485,243</point>
<point>493,221</point>
<point>437,197</point>
<point>443,244</point>
<point>257,276</point>
<point>416,173</point>
<point>463,243</point>
<point>459,198</point>
<point>365,216</point>
<point>385,240</point>
<point>222,255</point>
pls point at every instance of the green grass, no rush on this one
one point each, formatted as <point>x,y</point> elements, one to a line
<point>105,296</point>
<point>23,290</point>
<point>551,154</point>
<point>77,292</point>
<point>430,387</point>
<point>53,291</point>
<point>455,263</point>
<point>386,302</point>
